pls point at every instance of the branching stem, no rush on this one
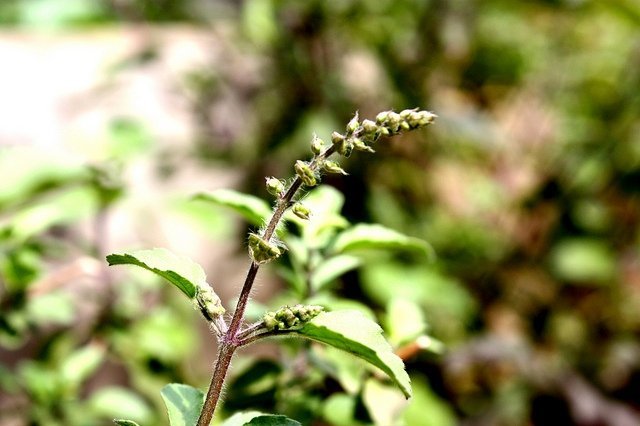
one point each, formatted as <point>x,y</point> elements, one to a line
<point>234,337</point>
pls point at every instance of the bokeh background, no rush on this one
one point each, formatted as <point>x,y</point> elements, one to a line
<point>114,112</point>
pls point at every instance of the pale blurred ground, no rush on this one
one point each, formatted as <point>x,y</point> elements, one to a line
<point>59,92</point>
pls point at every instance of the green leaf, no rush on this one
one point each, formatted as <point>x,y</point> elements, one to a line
<point>256,418</point>
<point>404,320</point>
<point>178,270</point>
<point>81,364</point>
<point>383,403</point>
<point>114,401</point>
<point>331,269</point>
<point>372,236</point>
<point>325,204</point>
<point>353,332</point>
<point>255,210</point>
<point>123,422</point>
<point>51,308</point>
<point>240,419</point>
<point>583,260</point>
<point>184,404</point>
<point>272,420</point>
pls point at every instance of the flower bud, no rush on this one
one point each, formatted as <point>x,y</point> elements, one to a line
<point>404,114</point>
<point>382,117</point>
<point>369,127</point>
<point>262,251</point>
<point>345,148</point>
<point>337,138</point>
<point>301,211</point>
<point>353,125</point>
<point>289,317</point>
<point>275,186</point>
<point>333,167</point>
<point>305,173</point>
<point>317,145</point>
<point>208,303</point>
<point>359,145</point>
<point>393,122</point>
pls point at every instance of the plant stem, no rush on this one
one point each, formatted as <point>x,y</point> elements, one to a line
<point>225,354</point>
<point>233,338</point>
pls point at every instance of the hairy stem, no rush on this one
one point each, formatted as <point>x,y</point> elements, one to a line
<point>233,337</point>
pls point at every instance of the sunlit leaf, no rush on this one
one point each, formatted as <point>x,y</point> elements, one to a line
<point>122,422</point>
<point>333,268</point>
<point>81,364</point>
<point>255,210</point>
<point>404,320</point>
<point>178,270</point>
<point>113,401</point>
<point>183,403</point>
<point>353,332</point>
<point>383,403</point>
<point>272,420</point>
<point>373,236</point>
<point>256,418</point>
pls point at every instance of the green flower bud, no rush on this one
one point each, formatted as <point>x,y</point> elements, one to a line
<point>369,127</point>
<point>275,186</point>
<point>359,145</point>
<point>353,125</point>
<point>393,122</point>
<point>404,114</point>
<point>317,145</point>
<point>289,317</point>
<point>333,167</point>
<point>337,138</point>
<point>404,125</point>
<point>382,117</point>
<point>305,173</point>
<point>262,251</point>
<point>301,211</point>
<point>208,303</point>
<point>345,148</point>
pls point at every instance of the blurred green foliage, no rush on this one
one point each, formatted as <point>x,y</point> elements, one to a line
<point>527,188</point>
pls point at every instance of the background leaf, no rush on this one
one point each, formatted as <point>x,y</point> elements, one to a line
<point>255,210</point>
<point>183,402</point>
<point>178,270</point>
<point>113,401</point>
<point>333,268</point>
<point>272,420</point>
<point>372,236</point>
<point>353,332</point>
<point>122,422</point>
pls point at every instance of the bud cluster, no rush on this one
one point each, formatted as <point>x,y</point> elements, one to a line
<point>305,173</point>
<point>262,251</point>
<point>275,186</point>
<point>289,317</point>
<point>208,303</point>
<point>392,123</point>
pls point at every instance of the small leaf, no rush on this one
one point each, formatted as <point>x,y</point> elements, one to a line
<point>404,320</point>
<point>368,236</point>
<point>112,401</point>
<point>123,422</point>
<point>352,332</point>
<point>272,420</point>
<point>178,270</point>
<point>240,419</point>
<point>81,364</point>
<point>331,269</point>
<point>184,404</point>
<point>255,418</point>
<point>255,210</point>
